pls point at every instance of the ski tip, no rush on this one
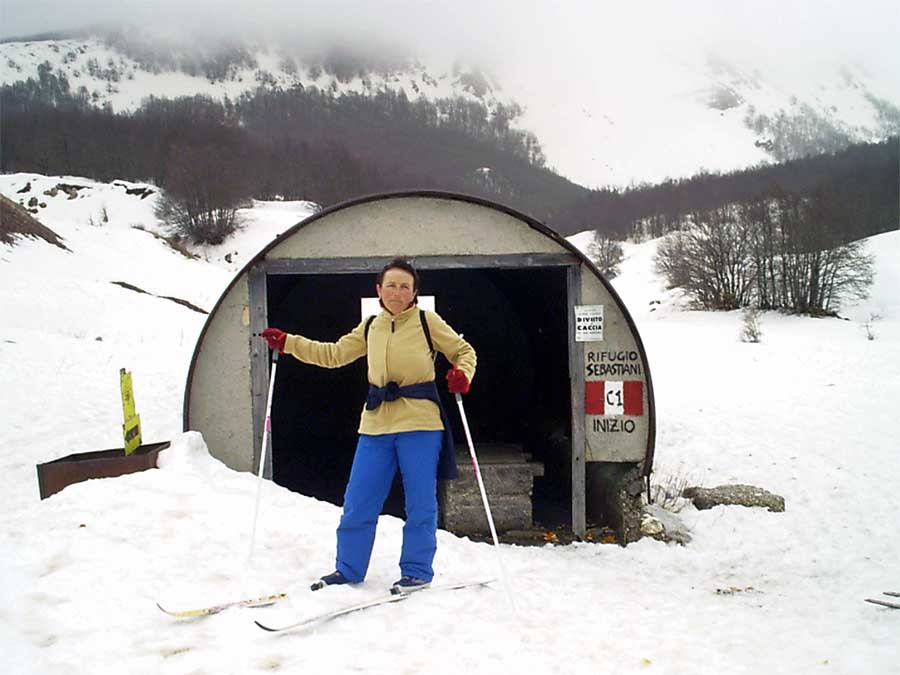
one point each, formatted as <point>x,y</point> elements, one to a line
<point>474,584</point>
<point>181,615</point>
<point>265,627</point>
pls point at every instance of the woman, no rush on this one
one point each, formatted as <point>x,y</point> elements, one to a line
<point>403,424</point>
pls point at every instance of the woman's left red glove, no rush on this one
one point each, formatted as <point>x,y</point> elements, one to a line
<point>275,338</point>
<point>457,382</point>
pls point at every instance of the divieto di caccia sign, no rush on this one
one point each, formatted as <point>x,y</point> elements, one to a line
<point>588,323</point>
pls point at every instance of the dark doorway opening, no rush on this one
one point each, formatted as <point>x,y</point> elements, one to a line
<point>517,321</point>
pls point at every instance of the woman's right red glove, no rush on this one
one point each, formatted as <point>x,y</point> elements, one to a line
<point>457,382</point>
<point>275,338</point>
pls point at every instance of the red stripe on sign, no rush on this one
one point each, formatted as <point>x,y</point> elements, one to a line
<point>593,397</point>
<point>634,397</point>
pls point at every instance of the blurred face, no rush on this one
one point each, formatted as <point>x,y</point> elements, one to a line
<point>396,290</point>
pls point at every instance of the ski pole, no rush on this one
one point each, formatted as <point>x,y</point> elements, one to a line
<point>484,499</point>
<point>262,453</point>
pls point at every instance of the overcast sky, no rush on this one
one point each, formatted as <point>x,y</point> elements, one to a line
<point>505,32</point>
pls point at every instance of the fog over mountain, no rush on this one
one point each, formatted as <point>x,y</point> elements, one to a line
<point>509,33</point>
<point>616,95</point>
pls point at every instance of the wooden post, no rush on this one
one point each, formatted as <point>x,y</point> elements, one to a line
<point>576,383</point>
<point>259,363</point>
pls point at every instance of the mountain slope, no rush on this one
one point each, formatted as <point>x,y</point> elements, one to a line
<point>122,72</point>
<point>660,115</point>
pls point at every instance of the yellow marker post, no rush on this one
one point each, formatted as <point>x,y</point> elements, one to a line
<point>132,427</point>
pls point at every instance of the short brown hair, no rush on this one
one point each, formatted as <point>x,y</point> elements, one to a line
<point>400,264</point>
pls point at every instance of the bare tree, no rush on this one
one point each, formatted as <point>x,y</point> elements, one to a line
<point>204,188</point>
<point>750,329</point>
<point>869,325</point>
<point>606,254</point>
<point>759,215</point>
<point>820,270</point>
<point>711,259</point>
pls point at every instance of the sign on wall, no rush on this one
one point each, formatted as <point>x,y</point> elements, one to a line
<point>605,397</point>
<point>613,390</point>
<point>588,323</point>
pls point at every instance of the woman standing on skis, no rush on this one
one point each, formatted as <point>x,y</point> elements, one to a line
<point>403,424</point>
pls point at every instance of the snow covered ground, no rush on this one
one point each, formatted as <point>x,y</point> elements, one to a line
<point>809,413</point>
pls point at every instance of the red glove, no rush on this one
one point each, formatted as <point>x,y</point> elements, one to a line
<point>457,382</point>
<point>275,338</point>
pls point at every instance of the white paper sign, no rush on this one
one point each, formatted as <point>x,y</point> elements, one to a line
<point>588,323</point>
<point>370,306</point>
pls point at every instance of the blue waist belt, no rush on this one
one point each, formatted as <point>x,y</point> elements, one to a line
<point>423,390</point>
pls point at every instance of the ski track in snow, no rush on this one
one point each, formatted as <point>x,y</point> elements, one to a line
<point>807,413</point>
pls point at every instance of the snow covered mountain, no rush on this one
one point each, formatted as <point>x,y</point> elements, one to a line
<point>806,413</point>
<point>606,119</point>
<point>122,73</point>
<point>673,117</point>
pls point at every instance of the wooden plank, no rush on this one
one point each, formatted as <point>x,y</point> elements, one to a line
<point>576,383</point>
<point>259,365</point>
<point>374,264</point>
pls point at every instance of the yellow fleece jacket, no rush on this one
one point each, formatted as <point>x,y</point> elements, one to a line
<point>397,352</point>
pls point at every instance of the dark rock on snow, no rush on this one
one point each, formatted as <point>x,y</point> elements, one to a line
<point>739,495</point>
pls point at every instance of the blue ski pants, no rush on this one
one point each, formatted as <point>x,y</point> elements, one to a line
<point>376,462</point>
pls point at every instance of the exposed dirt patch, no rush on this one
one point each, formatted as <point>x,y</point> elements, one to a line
<point>179,301</point>
<point>16,222</point>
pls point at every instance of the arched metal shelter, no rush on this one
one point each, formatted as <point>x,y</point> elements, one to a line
<point>562,371</point>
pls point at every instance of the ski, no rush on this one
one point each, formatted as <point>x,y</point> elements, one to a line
<point>884,603</point>
<point>443,587</point>
<point>333,614</point>
<point>375,602</point>
<point>215,609</point>
<point>892,594</point>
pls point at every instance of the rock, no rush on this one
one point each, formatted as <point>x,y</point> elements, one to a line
<point>739,495</point>
<point>664,525</point>
<point>651,526</point>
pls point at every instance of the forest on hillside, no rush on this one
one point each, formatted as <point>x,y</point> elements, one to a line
<point>317,145</point>
<point>303,143</point>
<point>861,182</point>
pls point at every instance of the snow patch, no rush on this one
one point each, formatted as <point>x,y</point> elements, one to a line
<point>188,453</point>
